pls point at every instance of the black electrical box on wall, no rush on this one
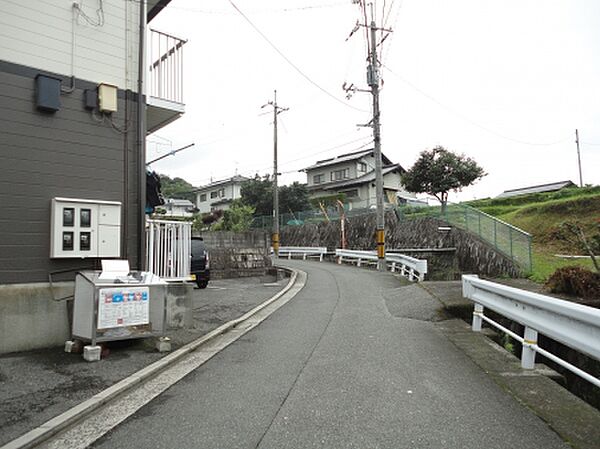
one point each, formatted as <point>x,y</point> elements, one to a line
<point>47,93</point>
<point>90,98</point>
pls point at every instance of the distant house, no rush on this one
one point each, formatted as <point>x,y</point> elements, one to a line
<point>353,174</point>
<point>552,187</point>
<point>178,208</point>
<point>219,194</point>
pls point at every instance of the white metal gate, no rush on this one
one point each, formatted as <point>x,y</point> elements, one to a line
<point>168,247</point>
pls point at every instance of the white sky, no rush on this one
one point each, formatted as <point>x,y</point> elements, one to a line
<point>504,82</point>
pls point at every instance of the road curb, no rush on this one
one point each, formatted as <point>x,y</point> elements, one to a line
<point>55,425</point>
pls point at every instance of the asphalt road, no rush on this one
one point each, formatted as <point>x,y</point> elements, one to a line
<point>343,365</point>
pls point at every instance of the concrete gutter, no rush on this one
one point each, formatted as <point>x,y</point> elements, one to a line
<point>86,408</point>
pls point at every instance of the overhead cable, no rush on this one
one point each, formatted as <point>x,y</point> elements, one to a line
<point>304,75</point>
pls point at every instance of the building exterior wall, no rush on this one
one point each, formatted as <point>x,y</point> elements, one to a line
<point>232,191</point>
<point>65,154</point>
<point>43,34</point>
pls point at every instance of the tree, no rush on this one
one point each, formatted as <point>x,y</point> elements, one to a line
<point>177,188</point>
<point>293,198</point>
<point>258,193</point>
<point>237,218</point>
<point>439,171</point>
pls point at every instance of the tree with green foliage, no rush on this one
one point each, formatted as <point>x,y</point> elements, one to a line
<point>439,171</point>
<point>177,188</point>
<point>293,198</point>
<point>258,193</point>
<point>237,218</point>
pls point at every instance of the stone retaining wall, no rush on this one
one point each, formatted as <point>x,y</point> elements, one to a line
<point>472,255</point>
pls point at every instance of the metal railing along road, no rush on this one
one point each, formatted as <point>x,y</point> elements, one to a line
<point>166,66</point>
<point>573,325</point>
<point>413,269</point>
<point>169,249</point>
<point>304,251</point>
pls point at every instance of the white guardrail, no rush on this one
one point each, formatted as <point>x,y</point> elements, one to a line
<point>573,325</point>
<point>304,251</point>
<point>413,269</point>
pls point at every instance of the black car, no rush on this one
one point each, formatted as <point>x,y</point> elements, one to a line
<point>200,263</point>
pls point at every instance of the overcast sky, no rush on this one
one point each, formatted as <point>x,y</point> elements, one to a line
<point>504,82</point>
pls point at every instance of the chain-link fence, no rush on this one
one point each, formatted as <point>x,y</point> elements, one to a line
<point>507,239</point>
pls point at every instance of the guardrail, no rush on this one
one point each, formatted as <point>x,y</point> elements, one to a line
<point>573,325</point>
<point>304,251</point>
<point>413,269</point>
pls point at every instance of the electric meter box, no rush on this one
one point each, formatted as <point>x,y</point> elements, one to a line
<point>109,307</point>
<point>85,228</point>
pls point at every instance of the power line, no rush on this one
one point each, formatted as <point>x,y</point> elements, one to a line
<point>467,119</point>
<point>256,11</point>
<point>304,75</point>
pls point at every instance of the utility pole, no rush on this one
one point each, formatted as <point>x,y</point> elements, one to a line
<point>578,157</point>
<point>275,234</point>
<point>373,82</point>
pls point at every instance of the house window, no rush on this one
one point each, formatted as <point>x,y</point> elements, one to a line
<point>221,193</point>
<point>214,194</point>
<point>340,174</point>
<point>203,197</point>
<point>362,167</point>
<point>350,193</point>
<point>318,179</point>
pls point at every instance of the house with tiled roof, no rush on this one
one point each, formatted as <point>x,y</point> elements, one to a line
<point>353,174</point>
<point>218,195</point>
<point>551,187</point>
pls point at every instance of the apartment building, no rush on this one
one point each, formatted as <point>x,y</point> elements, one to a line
<point>81,84</point>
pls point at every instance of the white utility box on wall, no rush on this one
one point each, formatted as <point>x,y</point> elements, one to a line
<point>85,228</point>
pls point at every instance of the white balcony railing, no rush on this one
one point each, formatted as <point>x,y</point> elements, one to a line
<point>166,66</point>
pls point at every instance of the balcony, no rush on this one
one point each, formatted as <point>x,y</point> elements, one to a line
<point>165,81</point>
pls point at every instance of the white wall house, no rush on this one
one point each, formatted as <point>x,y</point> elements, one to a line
<point>219,194</point>
<point>73,124</point>
<point>178,208</point>
<point>353,174</point>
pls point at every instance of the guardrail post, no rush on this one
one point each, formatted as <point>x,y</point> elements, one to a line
<point>358,262</point>
<point>477,318</point>
<point>528,353</point>
<point>393,267</point>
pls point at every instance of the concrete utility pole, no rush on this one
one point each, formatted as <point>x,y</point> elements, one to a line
<point>373,82</point>
<point>275,234</point>
<point>578,157</point>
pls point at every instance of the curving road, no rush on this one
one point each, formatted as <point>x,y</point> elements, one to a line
<point>351,362</point>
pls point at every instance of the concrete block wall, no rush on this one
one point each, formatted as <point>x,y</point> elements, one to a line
<point>237,254</point>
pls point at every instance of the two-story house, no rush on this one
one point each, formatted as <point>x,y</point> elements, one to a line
<point>218,195</point>
<point>82,83</point>
<point>174,207</point>
<point>353,174</point>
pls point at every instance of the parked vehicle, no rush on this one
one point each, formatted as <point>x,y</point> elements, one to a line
<point>200,269</point>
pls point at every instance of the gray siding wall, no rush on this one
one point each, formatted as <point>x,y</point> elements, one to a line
<point>65,154</point>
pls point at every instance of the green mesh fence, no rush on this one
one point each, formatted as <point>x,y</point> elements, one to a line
<point>507,239</point>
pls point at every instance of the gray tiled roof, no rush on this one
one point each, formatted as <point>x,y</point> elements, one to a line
<point>346,158</point>
<point>233,179</point>
<point>552,187</point>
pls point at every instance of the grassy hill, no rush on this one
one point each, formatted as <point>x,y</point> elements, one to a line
<point>541,215</point>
